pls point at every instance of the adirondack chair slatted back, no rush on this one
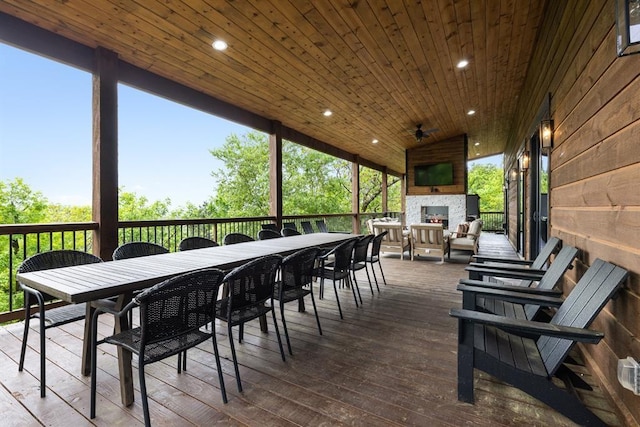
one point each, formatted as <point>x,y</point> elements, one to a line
<point>552,276</point>
<point>592,292</point>
<point>552,246</point>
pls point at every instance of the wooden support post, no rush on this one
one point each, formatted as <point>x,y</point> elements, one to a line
<point>275,172</point>
<point>105,153</point>
<point>355,194</point>
<point>385,194</point>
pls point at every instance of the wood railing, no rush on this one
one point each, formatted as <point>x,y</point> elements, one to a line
<point>20,241</point>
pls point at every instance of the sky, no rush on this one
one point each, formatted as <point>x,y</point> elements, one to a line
<point>45,136</point>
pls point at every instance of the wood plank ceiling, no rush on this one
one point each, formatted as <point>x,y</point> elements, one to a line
<point>381,66</point>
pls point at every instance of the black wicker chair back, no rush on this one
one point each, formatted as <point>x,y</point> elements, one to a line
<point>359,261</point>
<point>172,316</point>
<point>268,234</point>
<point>289,225</point>
<point>286,232</point>
<point>54,317</point>
<point>233,238</point>
<point>270,226</point>
<point>138,249</point>
<point>374,256</point>
<point>196,242</point>
<point>307,227</point>
<point>249,287</point>
<point>336,265</point>
<point>296,281</point>
<point>322,226</point>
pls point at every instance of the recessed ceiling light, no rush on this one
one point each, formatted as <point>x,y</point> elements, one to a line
<point>463,63</point>
<point>375,141</point>
<point>471,112</point>
<point>219,44</point>
<point>327,113</point>
<point>476,144</point>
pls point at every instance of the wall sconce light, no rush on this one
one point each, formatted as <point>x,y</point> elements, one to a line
<point>524,161</point>
<point>546,133</point>
<point>628,26</point>
<point>513,173</point>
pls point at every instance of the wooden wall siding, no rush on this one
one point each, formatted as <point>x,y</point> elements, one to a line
<point>595,164</point>
<point>453,150</point>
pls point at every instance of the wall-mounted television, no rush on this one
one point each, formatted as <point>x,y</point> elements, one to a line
<point>433,174</point>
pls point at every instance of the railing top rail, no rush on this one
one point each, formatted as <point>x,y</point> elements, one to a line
<point>43,228</point>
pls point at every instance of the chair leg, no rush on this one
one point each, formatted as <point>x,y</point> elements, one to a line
<point>315,310</point>
<point>350,283</point>
<point>335,289</point>
<point>223,390</point>
<point>25,334</point>
<point>374,277</point>
<point>241,332</point>
<point>43,355</point>
<point>143,393</point>
<point>235,359</point>
<point>275,326</point>
<point>284,324</point>
<point>366,270</point>
<point>381,272</point>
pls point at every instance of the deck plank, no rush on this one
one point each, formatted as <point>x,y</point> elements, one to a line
<point>391,362</point>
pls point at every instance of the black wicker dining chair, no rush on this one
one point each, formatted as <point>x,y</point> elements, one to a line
<point>374,257</point>
<point>233,238</point>
<point>268,234</point>
<point>196,242</point>
<point>286,232</point>
<point>359,260</point>
<point>322,226</point>
<point>137,249</point>
<point>249,287</point>
<point>53,317</point>
<point>307,227</point>
<point>296,281</point>
<point>172,316</point>
<point>336,265</point>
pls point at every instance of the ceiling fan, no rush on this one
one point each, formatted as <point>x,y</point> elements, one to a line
<point>419,133</point>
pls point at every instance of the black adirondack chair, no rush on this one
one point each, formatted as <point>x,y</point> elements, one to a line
<point>545,287</point>
<point>531,272</point>
<point>508,349</point>
<point>552,246</point>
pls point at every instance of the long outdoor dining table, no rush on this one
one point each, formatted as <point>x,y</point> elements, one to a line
<point>91,282</point>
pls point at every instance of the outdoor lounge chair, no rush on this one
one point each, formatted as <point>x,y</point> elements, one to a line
<point>536,351</point>
<point>395,241</point>
<point>552,246</point>
<point>546,286</point>
<point>428,239</point>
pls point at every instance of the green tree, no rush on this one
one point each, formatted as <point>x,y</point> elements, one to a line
<point>313,182</point>
<point>487,182</point>
<point>132,207</point>
<point>19,204</point>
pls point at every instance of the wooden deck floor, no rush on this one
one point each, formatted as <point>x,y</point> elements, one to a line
<point>391,362</point>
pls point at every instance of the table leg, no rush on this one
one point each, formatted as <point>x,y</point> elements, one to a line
<point>124,356</point>
<point>85,368</point>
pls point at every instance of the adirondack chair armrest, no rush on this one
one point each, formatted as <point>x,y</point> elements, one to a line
<point>507,267</point>
<point>513,288</point>
<point>510,296</point>
<point>527,327</point>
<point>524,274</point>
<point>479,259</point>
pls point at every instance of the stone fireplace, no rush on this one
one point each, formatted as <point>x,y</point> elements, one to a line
<point>451,208</point>
<point>435,214</point>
